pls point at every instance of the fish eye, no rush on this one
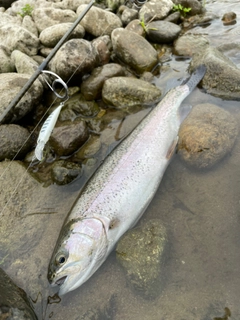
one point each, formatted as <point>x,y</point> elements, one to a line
<point>61,259</point>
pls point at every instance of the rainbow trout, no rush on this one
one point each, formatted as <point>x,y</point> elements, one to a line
<point>119,192</point>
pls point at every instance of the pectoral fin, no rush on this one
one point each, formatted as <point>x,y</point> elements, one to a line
<point>172,149</point>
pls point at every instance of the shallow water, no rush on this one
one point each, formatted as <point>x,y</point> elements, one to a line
<point>200,210</point>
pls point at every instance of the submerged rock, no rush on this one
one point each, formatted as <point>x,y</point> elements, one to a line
<point>14,303</point>
<point>14,141</point>
<point>128,92</point>
<point>140,252</point>
<point>134,50</point>
<point>65,172</point>
<point>69,137</point>
<point>222,76</point>
<point>206,136</point>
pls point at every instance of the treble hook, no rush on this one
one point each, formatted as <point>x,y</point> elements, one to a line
<point>55,82</point>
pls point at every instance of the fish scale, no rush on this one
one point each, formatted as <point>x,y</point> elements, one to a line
<point>119,192</point>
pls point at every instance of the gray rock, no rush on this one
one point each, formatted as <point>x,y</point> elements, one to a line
<point>128,15</point>
<point>14,141</point>
<point>140,252</point>
<point>47,17</point>
<point>174,17</point>
<point>92,87</point>
<point>17,6</point>
<point>189,44</point>
<point>68,137</point>
<point>162,31</point>
<point>128,92</point>
<point>14,303</point>
<point>195,5</point>
<point>99,22</point>
<point>113,5</point>
<point>103,46</point>
<point>155,8</point>
<point>5,18</point>
<point>69,4</point>
<point>134,50</point>
<point>6,64</point>
<point>16,37</point>
<point>64,172</point>
<point>26,65</point>
<point>222,76</point>
<point>10,85</point>
<point>136,27</point>
<point>50,36</point>
<point>29,24</point>
<point>206,136</point>
<point>76,57</point>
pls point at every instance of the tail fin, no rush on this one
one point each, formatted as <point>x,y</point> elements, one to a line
<point>196,77</point>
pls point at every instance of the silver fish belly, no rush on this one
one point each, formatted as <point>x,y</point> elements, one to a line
<point>119,192</point>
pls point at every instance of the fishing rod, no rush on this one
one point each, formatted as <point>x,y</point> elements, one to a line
<point>44,64</point>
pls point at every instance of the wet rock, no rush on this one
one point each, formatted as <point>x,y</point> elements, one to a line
<point>229,18</point>
<point>92,86</point>
<point>13,141</point>
<point>14,303</point>
<point>195,5</point>
<point>90,148</point>
<point>99,22</point>
<point>6,64</point>
<point>10,85</point>
<point>206,136</point>
<point>103,46</point>
<point>127,92</point>
<point>140,252</point>
<point>50,36</point>
<point>64,172</point>
<point>222,76</point>
<point>15,37</point>
<point>134,50</point>
<point>189,44</point>
<point>69,137</point>
<point>76,57</point>
<point>47,17</point>
<point>155,8</point>
<point>136,27</point>
<point>128,15</point>
<point>29,24</point>
<point>162,31</point>
<point>77,106</point>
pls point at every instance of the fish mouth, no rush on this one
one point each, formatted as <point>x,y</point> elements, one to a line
<point>61,281</point>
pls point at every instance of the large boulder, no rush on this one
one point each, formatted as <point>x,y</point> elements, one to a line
<point>99,22</point>
<point>206,136</point>
<point>134,50</point>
